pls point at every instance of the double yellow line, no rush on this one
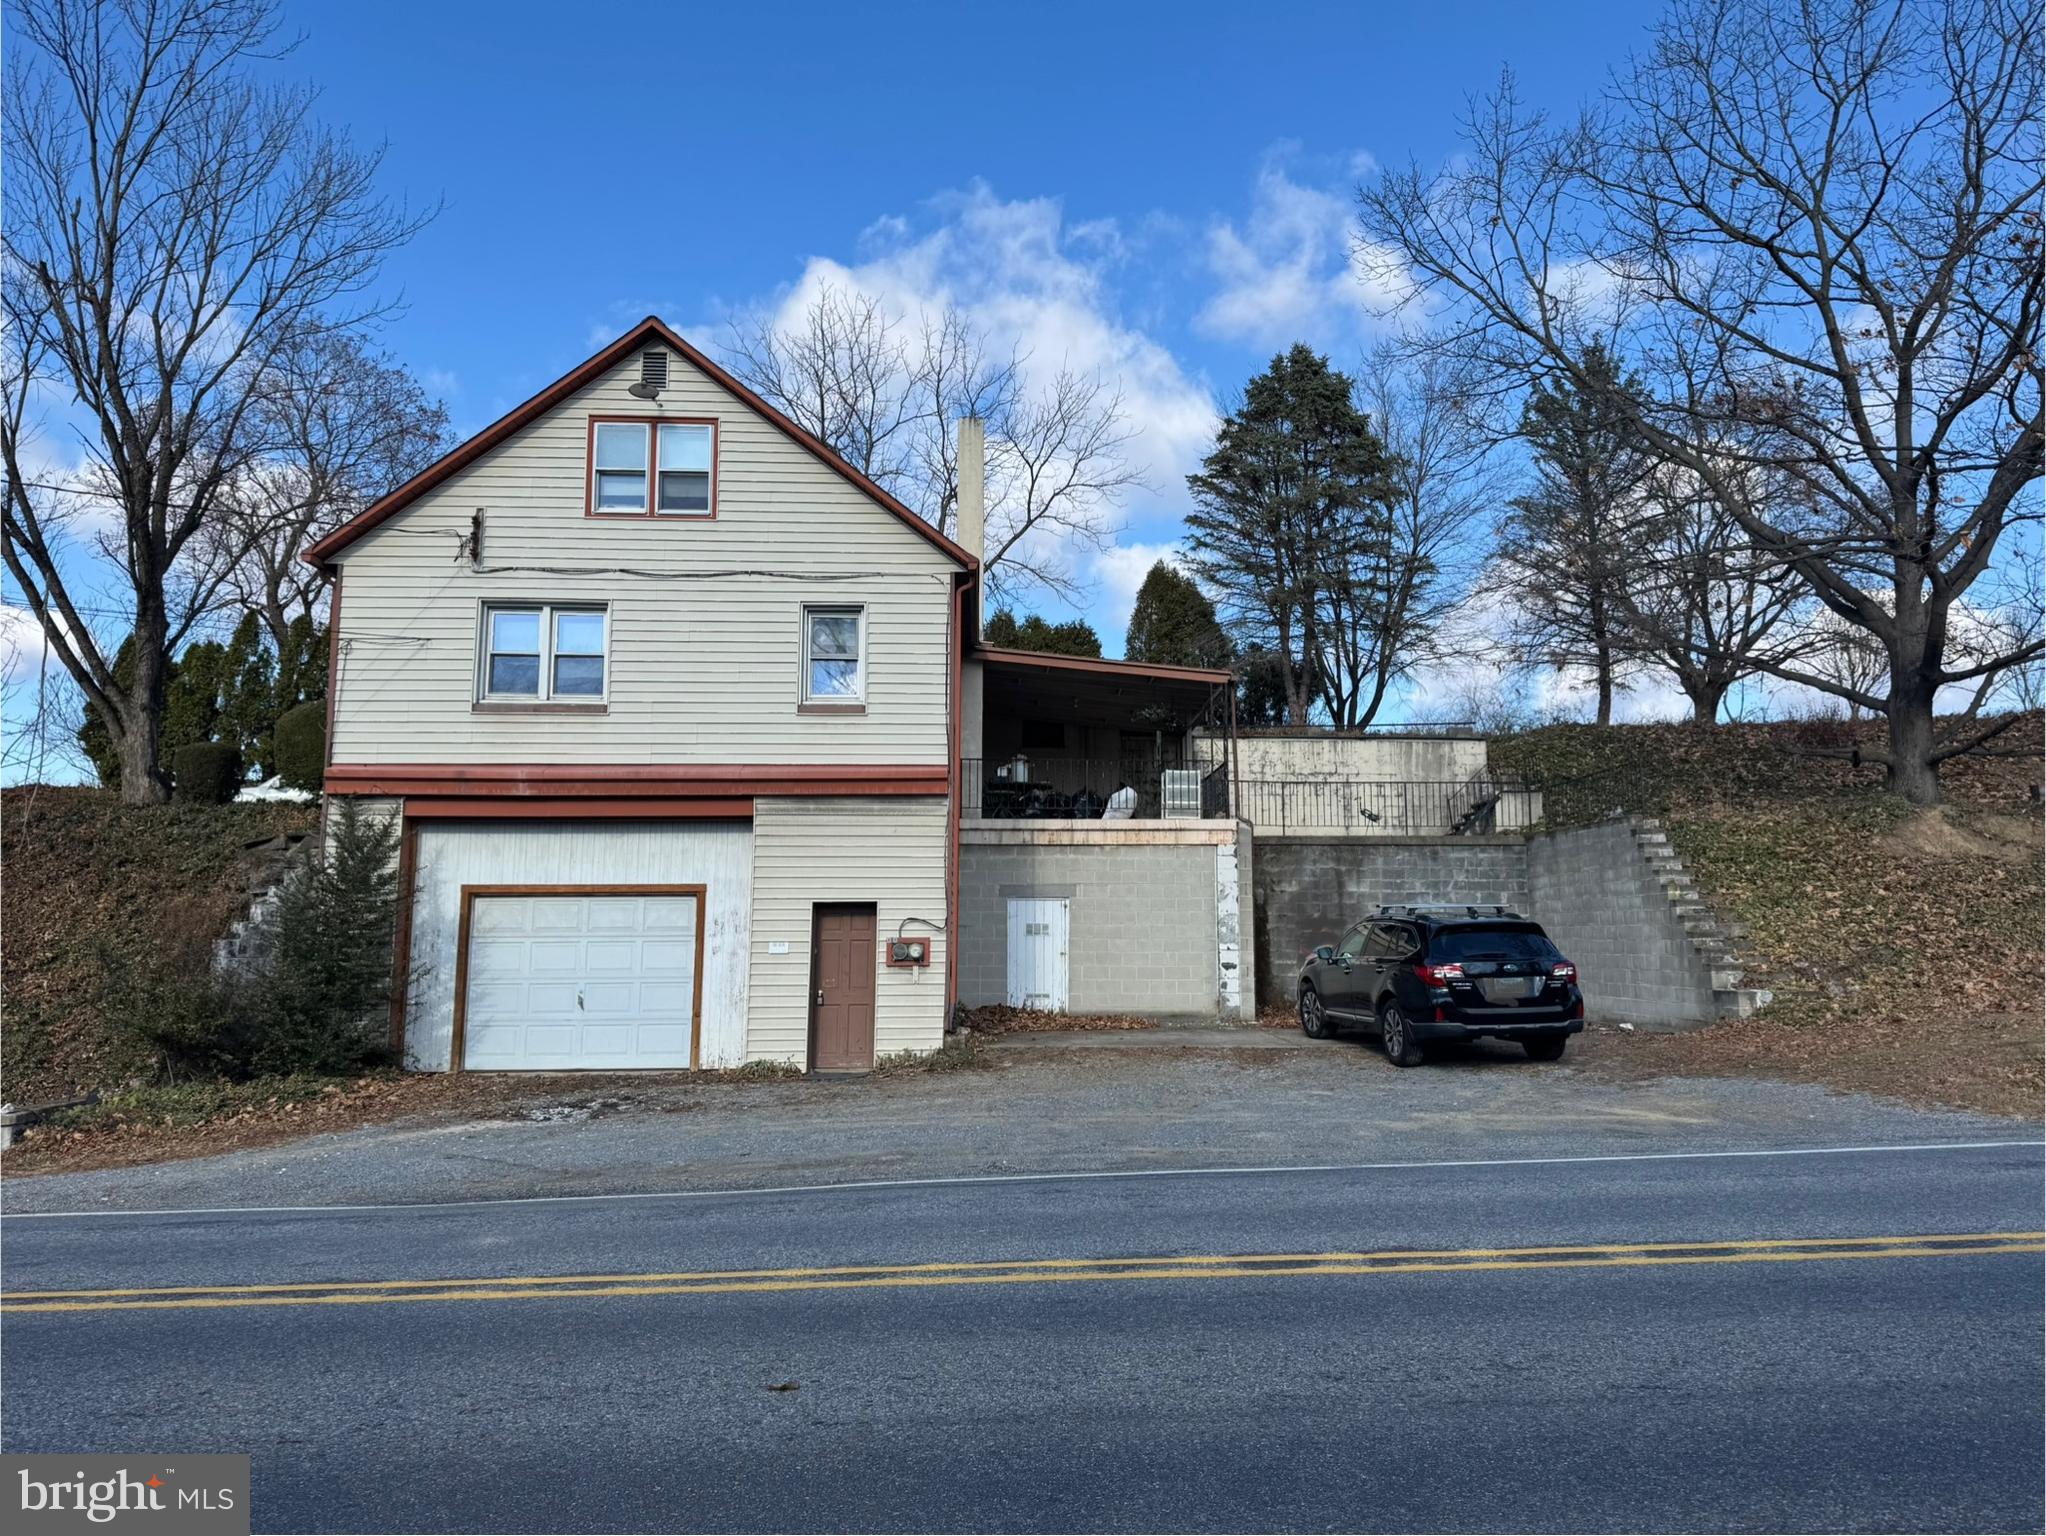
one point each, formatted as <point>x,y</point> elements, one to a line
<point>1235,1266</point>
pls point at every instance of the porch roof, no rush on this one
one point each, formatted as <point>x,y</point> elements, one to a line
<point>1083,688</point>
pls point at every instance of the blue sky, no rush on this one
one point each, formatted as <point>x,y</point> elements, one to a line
<point>1158,192</point>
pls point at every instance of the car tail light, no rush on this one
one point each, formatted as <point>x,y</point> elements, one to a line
<point>1438,975</point>
<point>1562,970</point>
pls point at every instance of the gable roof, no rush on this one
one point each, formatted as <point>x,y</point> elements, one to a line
<point>651,328</point>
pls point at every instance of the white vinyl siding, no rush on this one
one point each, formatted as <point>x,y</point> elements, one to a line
<point>717,855</point>
<point>886,850</point>
<point>705,660</point>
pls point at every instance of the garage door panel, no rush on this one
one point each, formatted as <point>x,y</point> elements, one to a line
<point>498,957</point>
<point>581,981</point>
<point>611,957</point>
<point>505,916</point>
<point>661,1040</point>
<point>608,1040</point>
<point>670,999</point>
<point>604,998</point>
<point>565,914</point>
<point>665,913</point>
<point>553,956</point>
<point>667,958</point>
<point>497,998</point>
<point>545,998</point>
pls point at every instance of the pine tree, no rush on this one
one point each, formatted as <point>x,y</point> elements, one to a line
<point>1174,623</point>
<point>1288,506</point>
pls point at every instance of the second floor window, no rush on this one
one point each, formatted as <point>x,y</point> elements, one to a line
<point>653,468</point>
<point>539,653</point>
<point>834,667</point>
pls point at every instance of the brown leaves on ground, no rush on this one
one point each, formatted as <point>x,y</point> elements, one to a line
<point>86,878</point>
<point>1903,949</point>
<point>997,1019</point>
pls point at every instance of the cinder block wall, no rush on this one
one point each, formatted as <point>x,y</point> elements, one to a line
<point>1595,893</point>
<point>1309,889</point>
<point>1144,934</point>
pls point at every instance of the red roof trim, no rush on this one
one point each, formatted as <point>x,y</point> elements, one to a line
<point>523,416</point>
<point>1216,676</point>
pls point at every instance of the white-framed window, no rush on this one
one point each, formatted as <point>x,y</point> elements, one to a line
<point>542,653</point>
<point>684,455</point>
<point>645,468</point>
<point>834,654</point>
<point>619,456</point>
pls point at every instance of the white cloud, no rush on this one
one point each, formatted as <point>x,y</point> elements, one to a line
<point>1296,270</point>
<point>1035,282</point>
<point>23,645</point>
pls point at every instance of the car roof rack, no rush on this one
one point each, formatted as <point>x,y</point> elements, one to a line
<point>1452,909</point>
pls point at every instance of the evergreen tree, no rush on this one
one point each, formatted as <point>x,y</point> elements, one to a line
<point>1261,691</point>
<point>1288,506</point>
<point>1075,637</point>
<point>231,692</point>
<point>1174,623</point>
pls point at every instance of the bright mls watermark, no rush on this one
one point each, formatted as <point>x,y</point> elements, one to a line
<point>166,1495</point>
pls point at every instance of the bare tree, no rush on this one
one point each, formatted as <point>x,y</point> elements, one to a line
<point>333,427</point>
<point>845,373</point>
<point>170,222</point>
<point>1704,604</point>
<point>1835,205</point>
<point>1573,544</point>
<point>885,393</point>
<point>1057,462</point>
<point>1442,477</point>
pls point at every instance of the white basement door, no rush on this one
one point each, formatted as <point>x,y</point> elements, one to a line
<point>1037,952</point>
<point>568,982</point>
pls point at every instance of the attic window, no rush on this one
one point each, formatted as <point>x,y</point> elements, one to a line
<point>640,467</point>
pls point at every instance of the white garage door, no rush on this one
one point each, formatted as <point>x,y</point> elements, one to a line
<point>579,980</point>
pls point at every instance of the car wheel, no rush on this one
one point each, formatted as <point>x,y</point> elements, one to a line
<point>1313,1017</point>
<point>1401,1048</point>
<point>1545,1049</point>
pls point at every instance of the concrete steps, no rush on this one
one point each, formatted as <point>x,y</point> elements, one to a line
<point>1711,939</point>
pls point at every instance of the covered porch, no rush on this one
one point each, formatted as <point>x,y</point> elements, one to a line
<point>1056,737</point>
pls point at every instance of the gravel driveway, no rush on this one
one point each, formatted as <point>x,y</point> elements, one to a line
<point>1034,1110</point>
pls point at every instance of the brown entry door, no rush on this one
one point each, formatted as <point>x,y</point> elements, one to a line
<point>842,956</point>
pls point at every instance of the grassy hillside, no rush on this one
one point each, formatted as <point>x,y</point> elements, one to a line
<point>82,879</point>
<point>1903,947</point>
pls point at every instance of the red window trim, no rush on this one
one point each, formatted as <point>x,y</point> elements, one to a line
<point>653,469</point>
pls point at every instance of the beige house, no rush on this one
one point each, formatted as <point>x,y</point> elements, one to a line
<point>663,691</point>
<point>669,699</point>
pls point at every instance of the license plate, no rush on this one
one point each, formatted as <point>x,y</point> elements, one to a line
<point>1508,989</point>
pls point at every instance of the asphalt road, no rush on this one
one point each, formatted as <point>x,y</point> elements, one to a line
<point>1786,1384</point>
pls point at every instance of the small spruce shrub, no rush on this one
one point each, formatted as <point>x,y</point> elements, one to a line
<point>317,1003</point>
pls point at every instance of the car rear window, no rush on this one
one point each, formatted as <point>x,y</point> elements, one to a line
<point>1493,944</point>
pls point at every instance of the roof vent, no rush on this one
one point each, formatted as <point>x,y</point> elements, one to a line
<point>653,374</point>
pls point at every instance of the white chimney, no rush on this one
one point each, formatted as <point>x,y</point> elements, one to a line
<point>973,490</point>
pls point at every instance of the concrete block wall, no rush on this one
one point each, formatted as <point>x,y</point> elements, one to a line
<point>1146,933</point>
<point>1309,889</point>
<point>1616,902</point>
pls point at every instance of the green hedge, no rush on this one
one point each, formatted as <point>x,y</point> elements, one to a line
<point>206,772</point>
<point>302,745</point>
